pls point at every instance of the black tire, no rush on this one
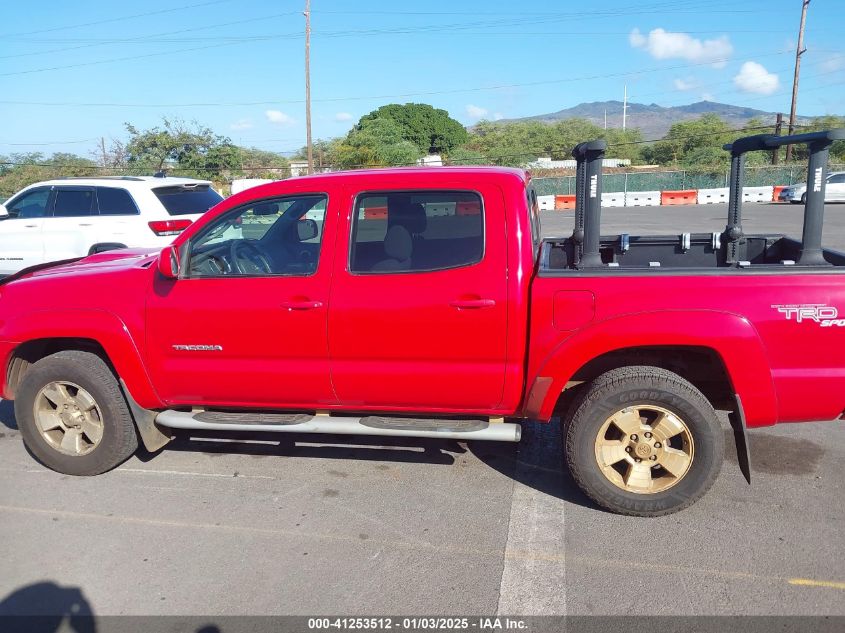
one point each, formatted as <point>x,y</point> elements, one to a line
<point>119,439</point>
<point>803,198</point>
<point>622,388</point>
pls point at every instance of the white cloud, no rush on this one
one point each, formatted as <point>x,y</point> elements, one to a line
<point>278,117</point>
<point>662,44</point>
<point>498,116</point>
<point>753,77</point>
<point>475,112</point>
<point>342,116</point>
<point>241,124</point>
<point>685,84</point>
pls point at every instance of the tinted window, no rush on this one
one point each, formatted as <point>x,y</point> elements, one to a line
<point>534,219</point>
<point>416,231</point>
<point>279,236</point>
<point>32,204</point>
<point>837,178</point>
<point>187,200</point>
<point>73,203</point>
<point>113,201</point>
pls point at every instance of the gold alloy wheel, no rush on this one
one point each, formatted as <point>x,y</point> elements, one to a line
<point>68,418</point>
<point>644,449</point>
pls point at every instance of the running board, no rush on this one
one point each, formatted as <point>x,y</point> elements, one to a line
<point>367,425</point>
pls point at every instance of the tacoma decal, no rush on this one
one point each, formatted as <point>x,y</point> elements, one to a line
<point>198,348</point>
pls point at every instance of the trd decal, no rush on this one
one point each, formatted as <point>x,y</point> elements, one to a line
<point>824,315</point>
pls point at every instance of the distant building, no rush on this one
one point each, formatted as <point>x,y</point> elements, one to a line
<point>432,160</point>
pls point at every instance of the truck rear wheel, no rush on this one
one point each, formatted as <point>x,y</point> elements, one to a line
<point>643,441</point>
<point>73,416</point>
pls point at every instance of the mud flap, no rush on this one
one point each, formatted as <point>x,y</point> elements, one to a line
<point>151,434</point>
<point>743,450</point>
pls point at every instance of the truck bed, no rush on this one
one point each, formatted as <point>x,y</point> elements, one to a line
<point>690,251</point>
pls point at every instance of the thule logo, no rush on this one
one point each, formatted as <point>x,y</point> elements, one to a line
<point>817,180</point>
<point>594,186</point>
<point>198,348</point>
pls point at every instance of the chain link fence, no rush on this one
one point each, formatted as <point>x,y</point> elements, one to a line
<point>680,179</point>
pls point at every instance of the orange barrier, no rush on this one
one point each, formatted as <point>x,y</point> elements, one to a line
<point>375,213</point>
<point>776,191</point>
<point>564,202</point>
<point>687,196</point>
<point>468,208</point>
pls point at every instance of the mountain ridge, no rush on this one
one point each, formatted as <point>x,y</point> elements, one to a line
<point>654,120</point>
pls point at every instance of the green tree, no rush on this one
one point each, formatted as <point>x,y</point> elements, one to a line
<point>175,143</point>
<point>20,170</point>
<point>431,130</point>
<point>707,131</point>
<point>374,143</point>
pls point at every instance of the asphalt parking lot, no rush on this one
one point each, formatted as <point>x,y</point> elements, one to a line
<point>217,527</point>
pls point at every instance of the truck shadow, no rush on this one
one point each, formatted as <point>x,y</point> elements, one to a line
<point>536,463</point>
<point>342,447</point>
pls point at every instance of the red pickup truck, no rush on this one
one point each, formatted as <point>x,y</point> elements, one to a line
<point>424,302</point>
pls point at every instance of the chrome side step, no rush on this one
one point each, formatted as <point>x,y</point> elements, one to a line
<point>367,425</point>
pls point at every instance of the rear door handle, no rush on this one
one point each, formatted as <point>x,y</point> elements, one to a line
<point>30,226</point>
<point>303,304</point>
<point>462,304</point>
<point>89,224</point>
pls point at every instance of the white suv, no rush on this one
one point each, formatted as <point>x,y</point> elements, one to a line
<point>75,217</point>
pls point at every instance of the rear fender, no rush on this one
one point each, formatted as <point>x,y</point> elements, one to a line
<point>731,336</point>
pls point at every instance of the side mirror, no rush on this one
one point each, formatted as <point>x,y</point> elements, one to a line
<point>168,263</point>
<point>4,212</point>
<point>306,229</point>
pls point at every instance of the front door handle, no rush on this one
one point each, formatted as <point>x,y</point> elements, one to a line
<point>302,304</point>
<point>472,304</point>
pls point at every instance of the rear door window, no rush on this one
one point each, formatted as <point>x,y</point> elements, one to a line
<point>115,201</point>
<point>187,199</point>
<point>72,202</point>
<point>416,231</point>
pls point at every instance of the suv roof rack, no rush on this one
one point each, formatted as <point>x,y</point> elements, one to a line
<point>132,178</point>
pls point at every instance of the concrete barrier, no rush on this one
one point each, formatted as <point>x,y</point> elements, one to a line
<point>642,199</point>
<point>613,199</point>
<point>757,194</point>
<point>683,196</point>
<point>547,203</point>
<point>713,196</point>
<point>564,202</point>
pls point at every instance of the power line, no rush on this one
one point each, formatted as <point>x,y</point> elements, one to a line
<point>118,19</point>
<point>632,73</point>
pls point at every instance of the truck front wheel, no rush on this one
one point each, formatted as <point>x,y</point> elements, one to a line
<point>73,416</point>
<point>643,441</point>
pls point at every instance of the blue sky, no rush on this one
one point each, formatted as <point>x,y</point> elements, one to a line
<point>71,72</point>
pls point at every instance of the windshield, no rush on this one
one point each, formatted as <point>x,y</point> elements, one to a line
<point>187,199</point>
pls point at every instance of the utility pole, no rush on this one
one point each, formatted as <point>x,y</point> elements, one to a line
<point>778,129</point>
<point>310,149</point>
<point>605,118</point>
<point>625,107</point>
<point>798,52</point>
<point>103,151</point>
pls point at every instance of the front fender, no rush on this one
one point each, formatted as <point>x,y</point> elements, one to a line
<point>731,336</point>
<point>101,326</point>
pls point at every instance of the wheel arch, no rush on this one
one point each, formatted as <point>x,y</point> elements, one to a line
<point>715,350</point>
<point>40,334</point>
